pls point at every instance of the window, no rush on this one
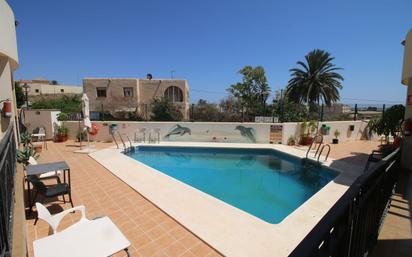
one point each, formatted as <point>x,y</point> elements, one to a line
<point>62,90</point>
<point>101,92</point>
<point>174,94</point>
<point>36,90</point>
<point>128,91</point>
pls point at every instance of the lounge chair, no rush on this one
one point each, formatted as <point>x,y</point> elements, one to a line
<point>97,237</point>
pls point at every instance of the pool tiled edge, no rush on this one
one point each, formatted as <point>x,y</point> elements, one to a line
<point>228,229</point>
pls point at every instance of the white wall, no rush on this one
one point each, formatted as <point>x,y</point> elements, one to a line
<point>222,131</point>
<point>8,62</point>
<point>8,43</point>
<point>407,81</point>
<point>41,118</point>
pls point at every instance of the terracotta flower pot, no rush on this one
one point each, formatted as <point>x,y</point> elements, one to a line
<point>61,137</point>
<point>306,140</point>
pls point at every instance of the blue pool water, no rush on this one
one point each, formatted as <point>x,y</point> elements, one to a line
<point>265,183</point>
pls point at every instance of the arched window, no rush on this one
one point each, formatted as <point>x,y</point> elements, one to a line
<point>174,94</point>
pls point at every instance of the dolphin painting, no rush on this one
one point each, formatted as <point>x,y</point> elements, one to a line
<point>246,132</point>
<point>178,130</point>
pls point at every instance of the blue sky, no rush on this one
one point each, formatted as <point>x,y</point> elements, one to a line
<point>207,42</point>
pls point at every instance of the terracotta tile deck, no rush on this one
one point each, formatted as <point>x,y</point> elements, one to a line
<point>151,231</point>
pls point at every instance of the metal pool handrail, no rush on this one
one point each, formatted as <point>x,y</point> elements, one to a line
<point>321,150</point>
<point>314,142</point>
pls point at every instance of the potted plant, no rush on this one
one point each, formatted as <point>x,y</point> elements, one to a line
<point>27,151</point>
<point>325,129</point>
<point>307,129</point>
<point>23,155</point>
<point>291,140</point>
<point>81,135</point>
<point>62,130</point>
<point>336,134</point>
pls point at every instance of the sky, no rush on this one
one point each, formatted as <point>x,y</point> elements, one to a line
<point>208,42</point>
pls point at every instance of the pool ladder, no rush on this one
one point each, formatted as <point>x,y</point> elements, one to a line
<point>125,148</point>
<point>318,139</point>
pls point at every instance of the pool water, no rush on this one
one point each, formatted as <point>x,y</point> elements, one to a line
<point>263,182</point>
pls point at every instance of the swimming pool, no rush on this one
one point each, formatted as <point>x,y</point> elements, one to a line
<point>263,182</point>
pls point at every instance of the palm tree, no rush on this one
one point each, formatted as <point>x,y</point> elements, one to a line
<point>316,80</point>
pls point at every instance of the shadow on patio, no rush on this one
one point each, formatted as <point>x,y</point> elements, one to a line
<point>395,238</point>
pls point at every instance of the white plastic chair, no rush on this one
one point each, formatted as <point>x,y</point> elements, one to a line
<point>92,238</point>
<point>154,135</point>
<point>41,136</point>
<point>47,175</point>
<point>54,220</point>
<point>140,135</point>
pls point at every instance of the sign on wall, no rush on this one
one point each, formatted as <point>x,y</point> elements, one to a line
<point>266,119</point>
<point>276,134</point>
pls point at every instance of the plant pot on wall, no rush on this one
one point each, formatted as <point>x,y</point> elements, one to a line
<point>61,137</point>
<point>351,127</point>
<point>306,140</point>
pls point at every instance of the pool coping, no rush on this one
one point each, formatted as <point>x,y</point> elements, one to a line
<point>229,230</point>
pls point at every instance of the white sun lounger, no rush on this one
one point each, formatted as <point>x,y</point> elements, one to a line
<point>92,238</point>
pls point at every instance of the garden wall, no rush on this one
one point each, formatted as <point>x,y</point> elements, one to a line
<point>221,131</point>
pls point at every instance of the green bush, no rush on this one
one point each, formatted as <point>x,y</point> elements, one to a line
<point>162,110</point>
<point>68,104</point>
<point>390,123</point>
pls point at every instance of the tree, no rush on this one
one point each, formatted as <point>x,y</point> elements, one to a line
<point>20,97</point>
<point>316,80</point>
<point>54,82</point>
<point>230,109</point>
<point>253,91</point>
<point>204,111</point>
<point>288,111</point>
<point>163,110</point>
<point>390,123</point>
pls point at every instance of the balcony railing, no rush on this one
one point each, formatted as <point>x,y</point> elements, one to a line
<point>7,178</point>
<point>351,227</point>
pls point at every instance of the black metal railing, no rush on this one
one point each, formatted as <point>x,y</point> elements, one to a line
<point>351,227</point>
<point>7,179</point>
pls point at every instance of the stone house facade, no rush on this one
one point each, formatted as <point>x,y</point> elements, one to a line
<point>133,95</point>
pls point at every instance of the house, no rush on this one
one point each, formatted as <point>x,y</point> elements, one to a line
<point>133,95</point>
<point>12,216</point>
<point>336,109</point>
<point>407,81</point>
<point>43,87</point>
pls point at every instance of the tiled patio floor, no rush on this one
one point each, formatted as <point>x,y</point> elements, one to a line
<point>151,231</point>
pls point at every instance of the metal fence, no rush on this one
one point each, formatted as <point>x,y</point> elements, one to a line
<point>7,179</point>
<point>352,225</point>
